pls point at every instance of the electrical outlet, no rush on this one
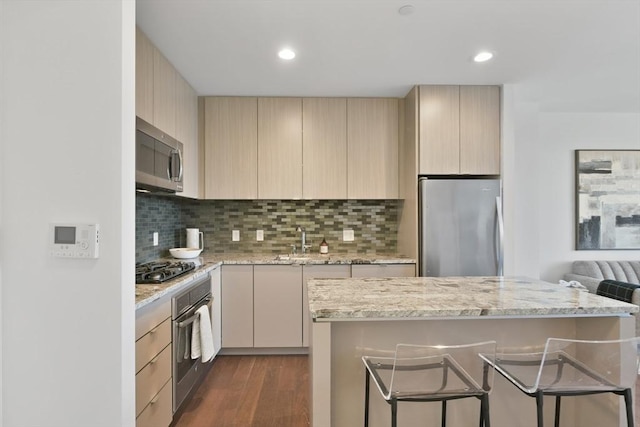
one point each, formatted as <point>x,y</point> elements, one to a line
<point>235,235</point>
<point>259,235</point>
<point>348,235</point>
<point>155,238</point>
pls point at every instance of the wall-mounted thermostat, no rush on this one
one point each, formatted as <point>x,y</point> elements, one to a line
<point>74,240</point>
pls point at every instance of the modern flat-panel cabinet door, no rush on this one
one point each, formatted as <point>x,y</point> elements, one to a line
<point>439,130</point>
<point>164,94</point>
<point>480,130</point>
<point>372,145</point>
<point>231,148</point>
<point>459,130</point>
<point>216,317</point>
<point>277,306</point>
<point>144,76</point>
<point>324,148</point>
<point>383,270</point>
<point>311,271</point>
<point>187,133</point>
<point>279,148</point>
<point>237,306</point>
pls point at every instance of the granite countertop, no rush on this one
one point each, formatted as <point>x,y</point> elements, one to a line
<point>147,293</point>
<point>313,258</point>
<point>442,297</point>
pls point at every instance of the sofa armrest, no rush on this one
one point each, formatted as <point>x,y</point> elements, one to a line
<point>635,297</point>
<point>590,282</point>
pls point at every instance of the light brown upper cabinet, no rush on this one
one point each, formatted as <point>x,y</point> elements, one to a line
<point>164,94</point>
<point>324,148</point>
<point>439,129</point>
<point>372,148</point>
<point>480,130</point>
<point>187,133</point>
<point>459,130</point>
<point>279,148</point>
<point>161,91</point>
<point>231,148</point>
<point>144,76</point>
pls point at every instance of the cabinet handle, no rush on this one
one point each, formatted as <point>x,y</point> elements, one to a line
<point>155,399</point>
<point>154,330</point>
<point>154,360</point>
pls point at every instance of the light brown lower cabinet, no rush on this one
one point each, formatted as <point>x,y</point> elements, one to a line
<point>383,270</point>
<point>154,393</point>
<point>151,379</point>
<point>159,412</point>
<point>277,305</point>
<point>267,306</point>
<point>237,306</point>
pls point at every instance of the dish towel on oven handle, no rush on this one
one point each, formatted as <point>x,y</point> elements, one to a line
<point>202,336</point>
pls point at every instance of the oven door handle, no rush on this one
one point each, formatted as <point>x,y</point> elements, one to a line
<point>190,320</point>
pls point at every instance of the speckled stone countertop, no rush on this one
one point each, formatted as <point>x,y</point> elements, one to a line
<point>314,258</point>
<point>146,294</point>
<point>442,297</point>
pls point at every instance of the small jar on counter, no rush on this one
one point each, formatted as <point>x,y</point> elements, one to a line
<point>324,247</point>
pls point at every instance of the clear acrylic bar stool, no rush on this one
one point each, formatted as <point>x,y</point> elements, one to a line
<point>573,368</point>
<point>421,373</point>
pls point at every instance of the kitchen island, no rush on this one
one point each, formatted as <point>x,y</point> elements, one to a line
<point>354,317</point>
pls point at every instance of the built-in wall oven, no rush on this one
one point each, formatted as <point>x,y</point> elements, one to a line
<point>188,372</point>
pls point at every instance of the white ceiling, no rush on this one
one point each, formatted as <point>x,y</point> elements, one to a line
<point>567,55</point>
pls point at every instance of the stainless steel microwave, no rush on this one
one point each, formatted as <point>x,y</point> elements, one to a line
<point>159,165</point>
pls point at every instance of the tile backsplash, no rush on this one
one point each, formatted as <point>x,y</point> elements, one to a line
<point>157,213</point>
<point>374,222</point>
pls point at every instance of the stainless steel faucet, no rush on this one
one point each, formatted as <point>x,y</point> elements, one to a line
<point>303,239</point>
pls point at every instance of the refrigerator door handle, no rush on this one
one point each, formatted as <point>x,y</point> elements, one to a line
<point>500,237</point>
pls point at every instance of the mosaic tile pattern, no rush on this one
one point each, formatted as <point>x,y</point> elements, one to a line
<point>157,213</point>
<point>374,222</point>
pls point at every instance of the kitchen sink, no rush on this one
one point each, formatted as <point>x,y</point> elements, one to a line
<point>291,258</point>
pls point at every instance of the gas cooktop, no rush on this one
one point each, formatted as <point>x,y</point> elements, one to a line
<point>161,271</point>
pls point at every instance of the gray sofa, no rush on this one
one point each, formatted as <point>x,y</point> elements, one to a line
<point>591,273</point>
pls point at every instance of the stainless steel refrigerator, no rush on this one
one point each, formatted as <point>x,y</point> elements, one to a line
<point>460,227</point>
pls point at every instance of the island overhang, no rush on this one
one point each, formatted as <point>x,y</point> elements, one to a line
<point>441,297</point>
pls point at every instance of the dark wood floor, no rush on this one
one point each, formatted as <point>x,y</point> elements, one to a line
<point>256,391</point>
<point>261,391</point>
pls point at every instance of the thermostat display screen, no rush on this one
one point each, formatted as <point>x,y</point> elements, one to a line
<point>69,240</point>
<point>65,235</point>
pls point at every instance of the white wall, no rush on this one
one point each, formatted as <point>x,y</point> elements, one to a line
<point>540,186</point>
<point>560,135</point>
<point>2,138</point>
<point>67,155</point>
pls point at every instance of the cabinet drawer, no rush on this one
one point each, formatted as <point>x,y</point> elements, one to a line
<point>152,378</point>
<point>152,343</point>
<point>151,315</point>
<point>383,270</point>
<point>159,413</point>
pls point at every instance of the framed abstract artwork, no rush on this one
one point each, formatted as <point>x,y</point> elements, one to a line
<point>607,199</point>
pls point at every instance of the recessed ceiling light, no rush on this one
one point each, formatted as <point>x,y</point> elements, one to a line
<point>407,9</point>
<point>483,56</point>
<point>286,54</point>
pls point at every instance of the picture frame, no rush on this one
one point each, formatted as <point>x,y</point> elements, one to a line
<point>607,196</point>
